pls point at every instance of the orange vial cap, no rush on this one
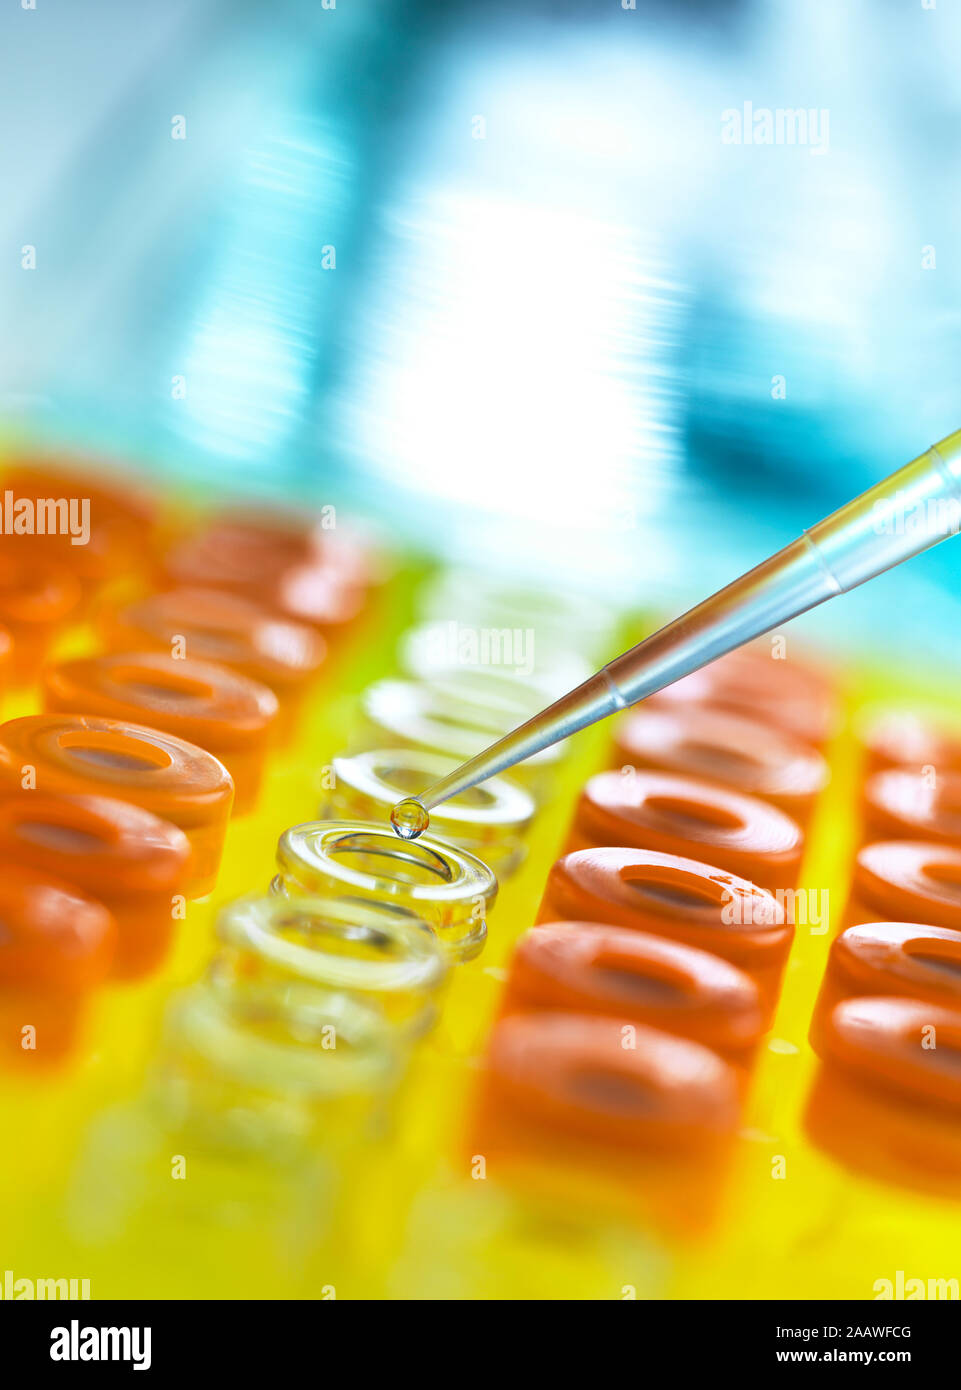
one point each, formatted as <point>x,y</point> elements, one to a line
<point>289,572</point>
<point>888,1099</point>
<point>230,629</point>
<point>901,805</point>
<point>589,968</point>
<point>735,752</point>
<point>78,755</point>
<point>55,948</point>
<point>129,859</point>
<point>314,594</point>
<point>55,937</point>
<point>36,603</point>
<point>900,958</point>
<point>309,538</point>
<point>565,1072</point>
<point>907,1047</point>
<point>691,818</point>
<point>201,702</point>
<point>120,519</point>
<point>908,739</point>
<point>906,881</point>
<point>245,551</point>
<point>751,683</point>
<point>677,898</point>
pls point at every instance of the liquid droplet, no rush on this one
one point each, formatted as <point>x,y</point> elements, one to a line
<point>409,818</point>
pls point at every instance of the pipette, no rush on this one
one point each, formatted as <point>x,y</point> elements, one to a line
<point>908,512</point>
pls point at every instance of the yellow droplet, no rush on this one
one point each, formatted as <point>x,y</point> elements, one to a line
<point>409,818</point>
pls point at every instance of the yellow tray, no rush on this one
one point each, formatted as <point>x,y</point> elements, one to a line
<point>406,1216</point>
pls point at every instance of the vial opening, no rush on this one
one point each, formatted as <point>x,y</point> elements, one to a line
<point>407,779</point>
<point>936,955</point>
<point>161,685</point>
<point>690,894</point>
<point>114,750</point>
<point>360,940</point>
<point>66,839</point>
<point>612,1091</point>
<point>688,812</point>
<point>947,877</point>
<point>216,641</point>
<point>366,853</point>
<point>736,762</point>
<point>638,987</point>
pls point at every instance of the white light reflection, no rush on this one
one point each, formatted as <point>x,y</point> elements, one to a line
<point>256,334</point>
<point>524,371</point>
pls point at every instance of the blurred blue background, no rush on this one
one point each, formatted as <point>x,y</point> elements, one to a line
<point>508,278</point>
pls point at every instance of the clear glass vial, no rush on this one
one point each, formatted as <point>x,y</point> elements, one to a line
<point>387,958</point>
<point>265,1099</point>
<point>560,621</point>
<point>480,660</point>
<point>264,1062</point>
<point>446,887</point>
<point>489,821</point>
<point>412,714</point>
